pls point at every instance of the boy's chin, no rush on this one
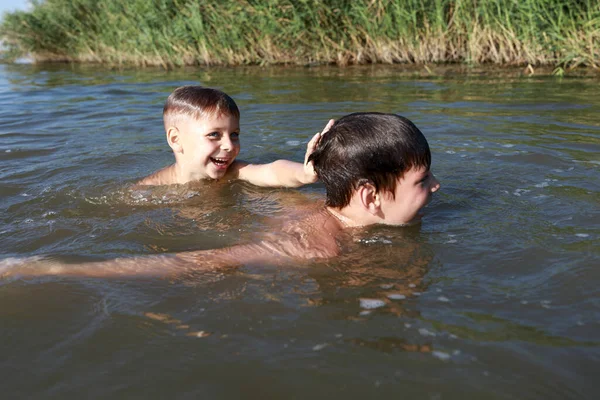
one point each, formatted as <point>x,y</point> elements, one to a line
<point>413,222</point>
<point>216,173</point>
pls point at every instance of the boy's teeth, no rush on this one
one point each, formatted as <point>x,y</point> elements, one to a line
<point>218,160</point>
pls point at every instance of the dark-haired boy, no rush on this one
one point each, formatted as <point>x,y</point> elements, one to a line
<point>203,128</point>
<point>376,170</point>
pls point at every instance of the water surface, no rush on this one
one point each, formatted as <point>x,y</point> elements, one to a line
<point>494,296</point>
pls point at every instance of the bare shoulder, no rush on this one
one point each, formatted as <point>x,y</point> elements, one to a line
<point>312,236</point>
<point>233,172</point>
<point>163,176</point>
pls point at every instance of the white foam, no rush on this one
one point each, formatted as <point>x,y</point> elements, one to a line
<point>320,346</point>
<point>545,303</point>
<point>426,332</point>
<point>396,296</point>
<point>441,355</point>
<point>376,240</point>
<point>518,192</point>
<point>370,304</point>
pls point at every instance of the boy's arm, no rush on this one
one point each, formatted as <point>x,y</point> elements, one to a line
<point>160,266</point>
<point>312,237</point>
<point>170,265</point>
<point>282,173</point>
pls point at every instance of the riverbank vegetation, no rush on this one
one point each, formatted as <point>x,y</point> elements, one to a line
<point>170,33</point>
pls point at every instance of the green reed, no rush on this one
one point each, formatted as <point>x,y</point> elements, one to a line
<point>563,33</point>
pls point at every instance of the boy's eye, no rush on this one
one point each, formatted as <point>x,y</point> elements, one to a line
<point>422,181</point>
<point>235,136</point>
<point>214,135</point>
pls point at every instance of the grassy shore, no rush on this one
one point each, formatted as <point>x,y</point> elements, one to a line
<point>170,33</point>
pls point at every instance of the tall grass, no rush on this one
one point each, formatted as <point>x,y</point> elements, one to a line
<point>171,33</point>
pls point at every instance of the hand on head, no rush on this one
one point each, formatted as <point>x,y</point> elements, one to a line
<point>309,169</point>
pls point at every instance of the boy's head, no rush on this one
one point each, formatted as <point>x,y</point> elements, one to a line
<point>197,102</point>
<point>202,127</point>
<point>369,149</point>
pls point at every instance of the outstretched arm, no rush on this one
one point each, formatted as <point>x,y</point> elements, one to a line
<point>282,173</point>
<point>149,266</point>
<point>312,237</point>
<point>161,266</point>
<point>169,265</point>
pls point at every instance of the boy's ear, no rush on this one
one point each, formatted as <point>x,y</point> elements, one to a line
<point>369,198</point>
<point>174,140</point>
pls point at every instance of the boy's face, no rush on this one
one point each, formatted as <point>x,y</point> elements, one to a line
<point>413,192</point>
<point>209,145</point>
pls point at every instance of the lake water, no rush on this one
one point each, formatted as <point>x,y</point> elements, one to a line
<point>494,296</point>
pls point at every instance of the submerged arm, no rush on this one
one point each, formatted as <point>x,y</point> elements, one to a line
<point>161,266</point>
<point>311,238</point>
<point>168,265</point>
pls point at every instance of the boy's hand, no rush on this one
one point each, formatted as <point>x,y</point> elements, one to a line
<point>309,170</point>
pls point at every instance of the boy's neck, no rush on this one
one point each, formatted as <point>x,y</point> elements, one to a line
<point>348,217</point>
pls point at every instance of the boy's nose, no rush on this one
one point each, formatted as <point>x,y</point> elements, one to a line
<point>435,184</point>
<point>226,143</point>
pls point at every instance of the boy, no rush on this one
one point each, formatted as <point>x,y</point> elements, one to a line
<point>203,128</point>
<point>375,168</point>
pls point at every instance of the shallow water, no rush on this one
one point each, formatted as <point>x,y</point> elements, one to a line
<point>495,295</point>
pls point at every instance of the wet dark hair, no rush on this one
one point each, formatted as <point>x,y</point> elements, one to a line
<point>198,102</point>
<point>370,148</point>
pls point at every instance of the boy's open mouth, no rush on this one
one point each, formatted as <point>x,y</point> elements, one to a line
<point>220,162</point>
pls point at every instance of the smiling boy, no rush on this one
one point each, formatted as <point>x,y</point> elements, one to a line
<point>376,170</point>
<point>202,126</point>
